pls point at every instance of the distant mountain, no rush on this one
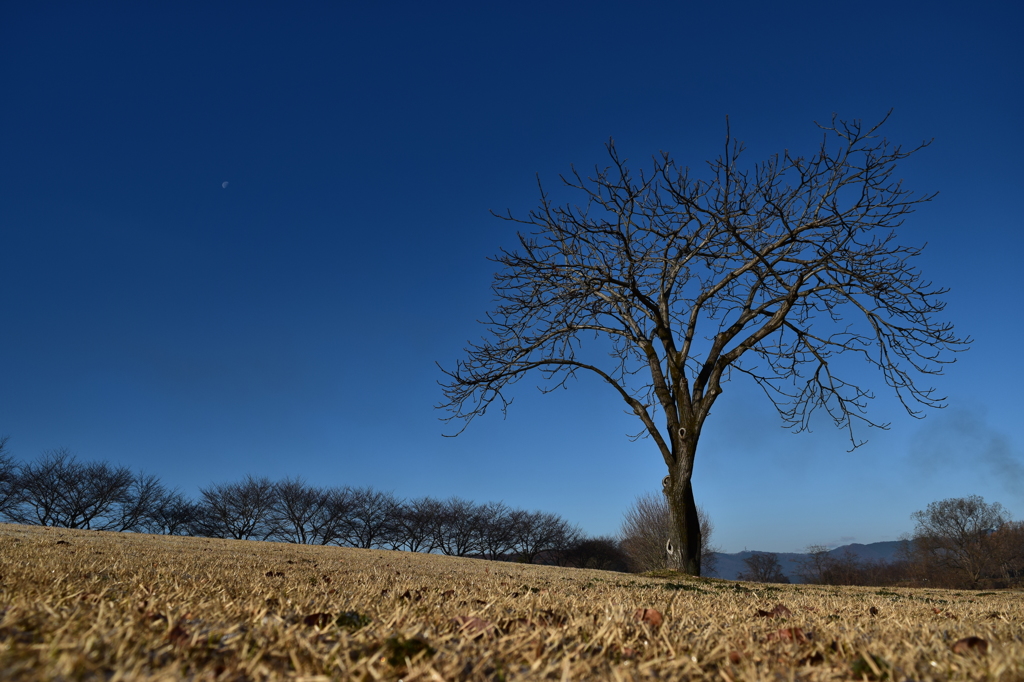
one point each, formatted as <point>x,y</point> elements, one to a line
<point>731,565</point>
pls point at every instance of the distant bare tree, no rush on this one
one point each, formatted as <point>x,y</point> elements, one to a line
<point>371,519</point>
<point>823,567</point>
<point>297,507</point>
<point>497,530</point>
<point>647,526</point>
<point>9,489</point>
<point>416,522</point>
<point>145,495</point>
<point>331,525</point>
<point>666,286</point>
<point>815,568</point>
<point>538,532</point>
<point>1008,553</point>
<point>58,490</point>
<point>174,515</point>
<point>239,511</point>
<point>460,527</point>
<point>600,553</point>
<point>958,534</point>
<point>763,567</point>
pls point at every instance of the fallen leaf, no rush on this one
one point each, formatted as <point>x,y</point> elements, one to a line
<point>318,620</point>
<point>178,635</point>
<point>650,616</point>
<point>779,611</point>
<point>968,645</point>
<point>473,625</point>
<point>814,659</point>
<point>790,635</point>
<point>547,617</point>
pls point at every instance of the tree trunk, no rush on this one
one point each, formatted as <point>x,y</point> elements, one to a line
<point>684,544</point>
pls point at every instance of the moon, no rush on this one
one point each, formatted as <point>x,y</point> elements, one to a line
<point>224,184</point>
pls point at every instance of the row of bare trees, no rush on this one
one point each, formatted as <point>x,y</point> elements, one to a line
<point>59,490</point>
<point>959,543</point>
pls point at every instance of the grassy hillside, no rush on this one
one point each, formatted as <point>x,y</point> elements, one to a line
<point>89,605</point>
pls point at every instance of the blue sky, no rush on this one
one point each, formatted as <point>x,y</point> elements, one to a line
<point>288,324</point>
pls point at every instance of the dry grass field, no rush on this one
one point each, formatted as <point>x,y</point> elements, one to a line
<point>80,605</point>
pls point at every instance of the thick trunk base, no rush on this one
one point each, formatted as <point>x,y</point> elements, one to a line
<point>683,547</point>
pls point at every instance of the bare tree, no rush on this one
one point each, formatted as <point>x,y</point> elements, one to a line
<point>332,523</point>
<point>459,530</point>
<point>823,566</point>
<point>600,553</point>
<point>416,522</point>
<point>648,523</point>
<point>296,509</point>
<point>958,534</point>
<point>175,514</point>
<point>9,489</point>
<point>371,518</point>
<point>239,511</point>
<point>58,490</point>
<point>497,530</point>
<point>769,273</point>
<point>816,567</point>
<point>140,504</point>
<point>538,532</point>
<point>1008,554</point>
<point>763,567</point>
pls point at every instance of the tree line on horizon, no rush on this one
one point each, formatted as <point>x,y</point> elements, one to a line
<point>57,489</point>
<point>958,543</point>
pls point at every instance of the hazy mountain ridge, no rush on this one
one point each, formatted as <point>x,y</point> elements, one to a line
<point>731,565</point>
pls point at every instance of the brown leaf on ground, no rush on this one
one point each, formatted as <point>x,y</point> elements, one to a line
<point>179,635</point>
<point>650,616</point>
<point>319,620</point>
<point>970,645</point>
<point>547,617</point>
<point>473,626</point>
<point>779,611</point>
<point>735,656</point>
<point>816,658</point>
<point>791,635</point>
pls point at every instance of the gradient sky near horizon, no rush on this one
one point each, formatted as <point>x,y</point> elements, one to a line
<point>287,323</point>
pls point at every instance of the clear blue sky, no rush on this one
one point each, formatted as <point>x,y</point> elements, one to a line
<point>287,324</point>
